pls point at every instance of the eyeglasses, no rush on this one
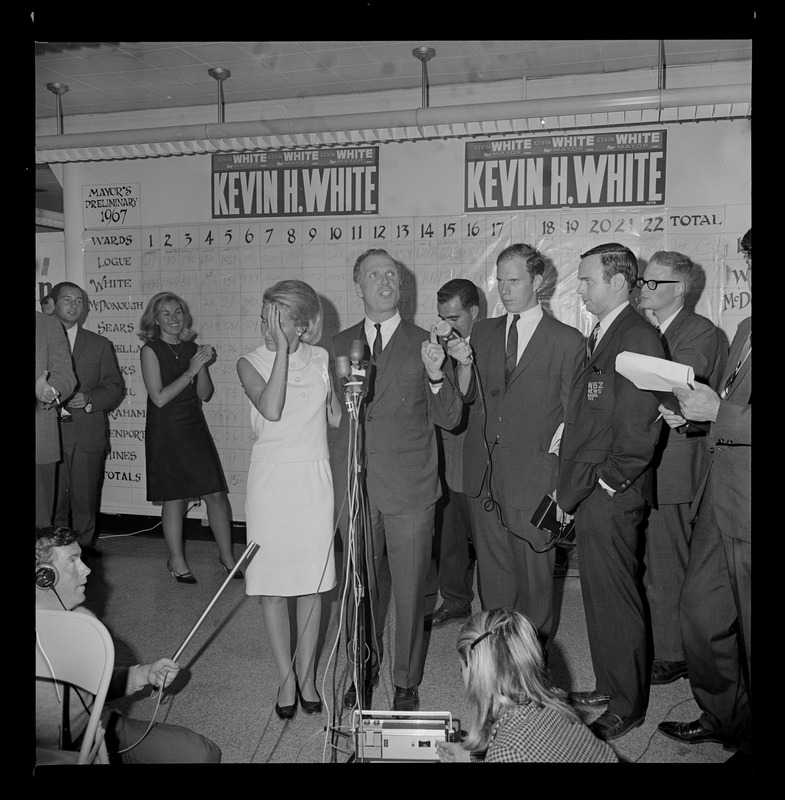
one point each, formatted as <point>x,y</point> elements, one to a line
<point>651,284</point>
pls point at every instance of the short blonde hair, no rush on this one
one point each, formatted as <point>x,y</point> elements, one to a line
<point>303,303</point>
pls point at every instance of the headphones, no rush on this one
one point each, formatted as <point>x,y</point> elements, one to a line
<point>46,576</point>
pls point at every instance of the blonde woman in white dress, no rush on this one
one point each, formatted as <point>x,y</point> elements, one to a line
<point>289,493</point>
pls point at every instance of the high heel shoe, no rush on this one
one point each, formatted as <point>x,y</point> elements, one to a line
<point>309,706</point>
<point>286,712</point>
<point>186,577</point>
<point>237,575</point>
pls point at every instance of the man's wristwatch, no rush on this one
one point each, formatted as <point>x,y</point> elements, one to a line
<point>88,408</point>
<point>435,381</point>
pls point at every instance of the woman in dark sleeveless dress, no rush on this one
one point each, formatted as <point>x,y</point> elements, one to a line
<point>182,462</point>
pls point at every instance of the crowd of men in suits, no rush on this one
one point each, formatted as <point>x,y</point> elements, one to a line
<point>524,406</point>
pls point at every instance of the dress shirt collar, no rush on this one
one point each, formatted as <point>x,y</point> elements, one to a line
<point>664,325</point>
<point>389,326</point>
<point>608,321</point>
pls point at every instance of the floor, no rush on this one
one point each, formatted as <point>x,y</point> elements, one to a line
<point>227,686</point>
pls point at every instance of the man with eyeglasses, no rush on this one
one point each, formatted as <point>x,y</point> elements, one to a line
<point>84,428</point>
<point>715,605</point>
<point>691,339</point>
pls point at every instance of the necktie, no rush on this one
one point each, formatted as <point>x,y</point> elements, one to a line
<point>511,354</point>
<point>593,336</point>
<point>377,342</point>
<point>745,351</point>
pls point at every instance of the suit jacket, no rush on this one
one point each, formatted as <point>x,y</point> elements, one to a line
<point>728,458</point>
<point>521,418</point>
<point>609,429</point>
<point>52,354</point>
<point>693,340</point>
<point>451,441</point>
<point>98,376</point>
<point>401,456</point>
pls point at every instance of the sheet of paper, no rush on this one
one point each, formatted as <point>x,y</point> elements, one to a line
<point>654,374</point>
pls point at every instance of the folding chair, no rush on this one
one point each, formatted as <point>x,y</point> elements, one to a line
<point>75,648</point>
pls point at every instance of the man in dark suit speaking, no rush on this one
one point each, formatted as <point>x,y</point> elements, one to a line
<point>611,429</point>
<point>83,419</point>
<point>408,394</point>
<point>525,360</point>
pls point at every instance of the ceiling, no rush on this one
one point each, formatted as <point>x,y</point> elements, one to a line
<point>106,77</point>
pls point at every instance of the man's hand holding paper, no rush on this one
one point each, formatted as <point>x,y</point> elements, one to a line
<point>700,404</point>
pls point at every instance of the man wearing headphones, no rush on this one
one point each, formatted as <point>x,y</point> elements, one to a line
<point>60,580</point>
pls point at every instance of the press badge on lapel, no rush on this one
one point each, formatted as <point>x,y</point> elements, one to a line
<point>594,390</point>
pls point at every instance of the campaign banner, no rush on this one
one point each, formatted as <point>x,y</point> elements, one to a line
<point>296,183</point>
<point>566,171</point>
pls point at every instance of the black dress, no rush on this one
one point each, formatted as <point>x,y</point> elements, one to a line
<point>182,461</point>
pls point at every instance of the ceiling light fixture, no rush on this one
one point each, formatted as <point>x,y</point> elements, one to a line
<point>424,54</point>
<point>220,74</point>
<point>58,89</point>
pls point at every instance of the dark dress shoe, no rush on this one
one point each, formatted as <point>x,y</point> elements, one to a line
<point>443,616</point>
<point>667,671</point>
<point>91,551</point>
<point>611,726</point>
<point>406,699</point>
<point>286,712</point>
<point>237,575</point>
<point>589,698</point>
<point>309,706</point>
<point>350,698</point>
<point>693,733</point>
<point>184,577</point>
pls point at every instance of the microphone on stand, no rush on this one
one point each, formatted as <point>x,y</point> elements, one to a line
<point>356,370</point>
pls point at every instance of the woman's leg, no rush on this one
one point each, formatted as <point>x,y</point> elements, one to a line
<point>309,617</point>
<point>220,524</point>
<point>172,513</point>
<point>275,612</point>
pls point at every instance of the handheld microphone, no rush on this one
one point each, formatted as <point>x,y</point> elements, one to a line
<point>446,331</point>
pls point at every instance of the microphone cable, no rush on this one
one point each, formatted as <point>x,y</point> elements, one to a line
<point>490,503</point>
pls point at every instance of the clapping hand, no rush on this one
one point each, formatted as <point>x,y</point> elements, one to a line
<point>204,355</point>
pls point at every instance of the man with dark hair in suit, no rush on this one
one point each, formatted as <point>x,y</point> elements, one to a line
<point>525,361</point>
<point>715,601</point>
<point>611,430</point>
<point>458,303</point>
<point>83,418</point>
<point>691,339</point>
<point>408,394</point>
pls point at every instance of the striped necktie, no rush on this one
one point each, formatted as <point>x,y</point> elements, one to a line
<point>745,351</point>
<point>511,353</point>
<point>592,341</point>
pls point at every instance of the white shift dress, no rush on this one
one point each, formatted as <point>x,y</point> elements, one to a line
<point>289,493</point>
